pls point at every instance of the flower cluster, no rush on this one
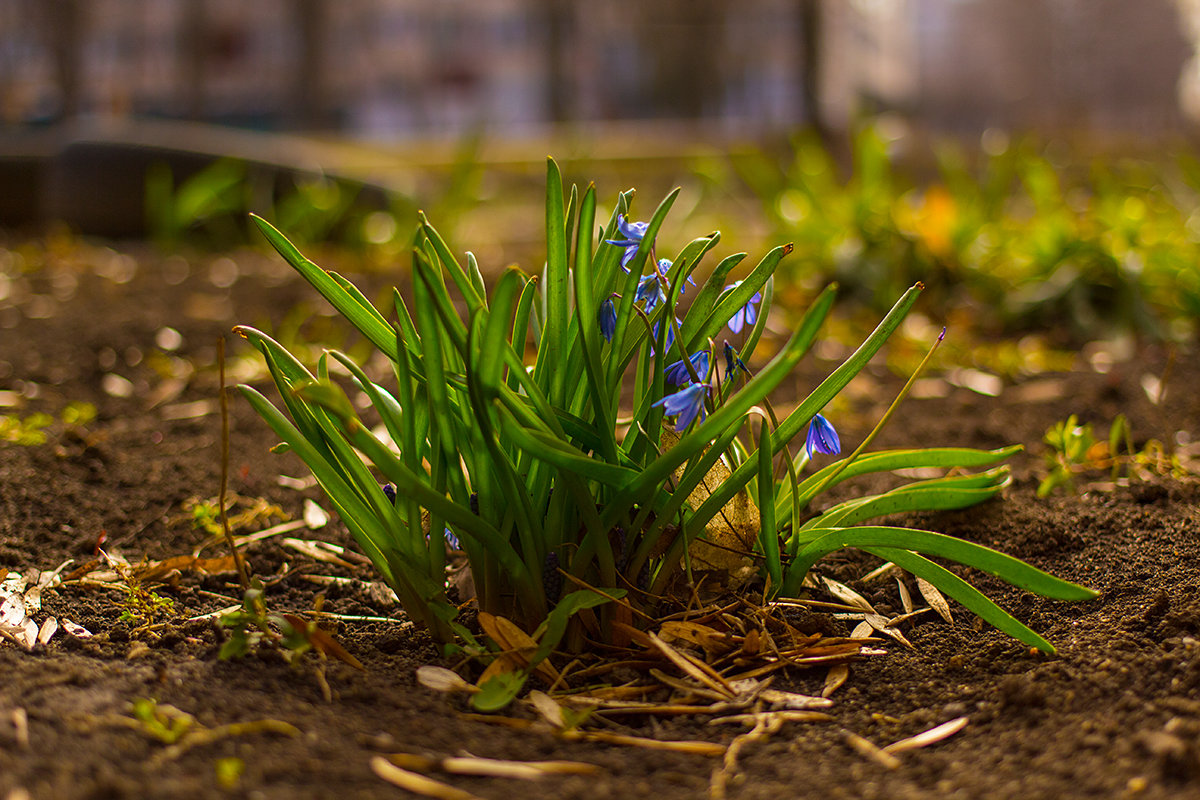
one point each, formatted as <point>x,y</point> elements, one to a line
<point>692,376</point>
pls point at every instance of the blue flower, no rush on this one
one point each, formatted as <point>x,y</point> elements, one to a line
<point>747,314</point>
<point>608,319</point>
<point>733,361</point>
<point>389,492</point>
<point>687,403</point>
<point>677,373</point>
<point>650,291</point>
<point>633,232</point>
<point>452,540</point>
<point>822,438</point>
<point>670,335</point>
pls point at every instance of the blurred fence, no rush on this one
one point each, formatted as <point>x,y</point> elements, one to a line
<point>394,67</point>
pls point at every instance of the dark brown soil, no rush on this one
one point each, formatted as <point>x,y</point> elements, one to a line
<point>1115,713</point>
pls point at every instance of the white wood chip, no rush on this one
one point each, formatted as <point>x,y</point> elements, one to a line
<point>549,710</point>
<point>48,629</point>
<point>791,700</point>
<point>926,738</point>
<point>314,516</point>
<point>441,679</point>
<point>76,630</point>
<point>834,679</point>
<point>417,784</point>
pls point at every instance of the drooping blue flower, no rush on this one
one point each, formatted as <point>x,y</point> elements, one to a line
<point>670,335</point>
<point>677,373</point>
<point>452,540</point>
<point>608,319</point>
<point>650,291</point>
<point>822,438</point>
<point>664,265</point>
<point>733,361</point>
<point>633,233</point>
<point>686,404</point>
<point>747,314</point>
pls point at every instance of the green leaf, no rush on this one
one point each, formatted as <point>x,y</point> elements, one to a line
<point>552,630</point>
<point>1003,566</point>
<point>498,691</point>
<point>365,318</point>
<point>972,599</point>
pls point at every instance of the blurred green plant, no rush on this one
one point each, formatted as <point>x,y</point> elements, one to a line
<point>562,496</point>
<point>37,428</point>
<point>1075,451</point>
<point>1025,243</point>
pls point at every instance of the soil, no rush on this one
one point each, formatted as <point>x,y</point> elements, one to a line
<point>1115,713</point>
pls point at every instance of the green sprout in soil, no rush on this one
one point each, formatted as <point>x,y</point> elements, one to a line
<point>143,606</point>
<point>37,428</point>
<point>206,513</point>
<point>1076,452</point>
<point>559,475</point>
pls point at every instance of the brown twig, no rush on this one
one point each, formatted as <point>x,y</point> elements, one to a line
<point>243,576</point>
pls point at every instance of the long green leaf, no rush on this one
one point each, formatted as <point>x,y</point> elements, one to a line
<point>974,600</point>
<point>365,318</point>
<point>1003,566</point>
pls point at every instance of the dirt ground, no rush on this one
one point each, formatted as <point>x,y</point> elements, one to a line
<point>1116,713</point>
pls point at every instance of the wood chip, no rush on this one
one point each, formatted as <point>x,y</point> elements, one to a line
<point>417,784</point>
<point>862,630</point>
<point>522,770</point>
<point>791,700</point>
<point>549,710</point>
<point>926,738</point>
<point>710,749</point>
<point>866,748</point>
<point>935,599</point>
<point>781,716</point>
<point>48,629</point>
<point>441,679</point>
<point>321,551</point>
<point>834,679</point>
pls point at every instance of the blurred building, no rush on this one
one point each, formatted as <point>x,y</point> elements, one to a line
<point>387,68</point>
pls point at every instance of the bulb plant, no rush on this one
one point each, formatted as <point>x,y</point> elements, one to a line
<point>564,489</point>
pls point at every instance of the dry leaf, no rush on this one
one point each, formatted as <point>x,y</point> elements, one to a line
<point>935,599</point>
<point>729,537</point>
<point>926,738</point>
<point>905,596</point>
<point>517,645</point>
<point>695,669</point>
<point>204,566</point>
<point>713,642</point>
<point>847,595</point>
<point>322,641</point>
